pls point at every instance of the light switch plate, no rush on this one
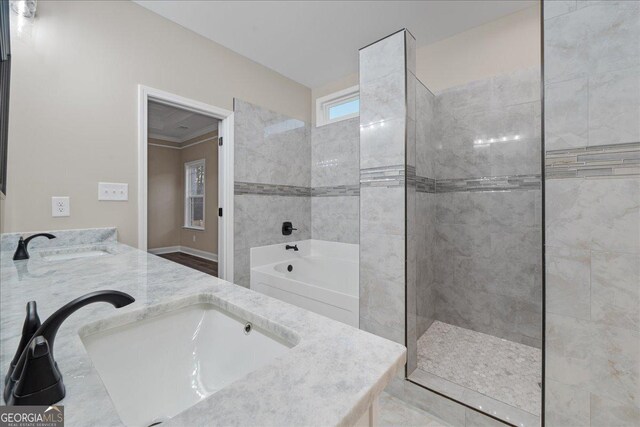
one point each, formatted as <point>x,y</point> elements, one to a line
<point>60,206</point>
<point>113,191</point>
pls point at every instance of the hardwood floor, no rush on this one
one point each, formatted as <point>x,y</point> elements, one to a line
<point>197,263</point>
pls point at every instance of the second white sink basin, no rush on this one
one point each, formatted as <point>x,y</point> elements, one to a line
<point>73,255</point>
<point>156,368</point>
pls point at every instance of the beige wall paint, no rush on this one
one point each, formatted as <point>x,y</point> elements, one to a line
<point>166,195</point>
<point>164,212</point>
<point>73,120</point>
<point>501,46</point>
<point>506,44</point>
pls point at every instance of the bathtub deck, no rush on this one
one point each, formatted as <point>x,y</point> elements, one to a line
<point>503,370</point>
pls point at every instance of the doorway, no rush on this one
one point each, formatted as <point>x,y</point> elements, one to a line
<point>186,182</point>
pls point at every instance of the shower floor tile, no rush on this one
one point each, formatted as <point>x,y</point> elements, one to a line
<point>503,370</point>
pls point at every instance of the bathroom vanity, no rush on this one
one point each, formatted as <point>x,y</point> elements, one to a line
<point>192,349</point>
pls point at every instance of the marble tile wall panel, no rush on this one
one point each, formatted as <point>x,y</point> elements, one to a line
<point>487,263</point>
<point>489,127</point>
<point>272,181</point>
<point>425,146</point>
<point>592,73</point>
<point>335,218</point>
<point>335,179</point>
<point>425,232</point>
<point>383,117</point>
<point>270,148</point>
<point>487,268</point>
<point>592,96</point>
<point>258,222</point>
<point>593,300</point>
<point>335,150</point>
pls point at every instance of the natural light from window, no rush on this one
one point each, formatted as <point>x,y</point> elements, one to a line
<point>347,108</point>
<point>194,194</point>
<point>337,106</point>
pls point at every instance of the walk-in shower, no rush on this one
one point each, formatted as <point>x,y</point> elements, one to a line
<point>450,181</point>
<point>478,251</point>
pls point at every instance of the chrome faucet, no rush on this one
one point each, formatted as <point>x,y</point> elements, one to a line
<point>21,250</point>
<point>34,377</point>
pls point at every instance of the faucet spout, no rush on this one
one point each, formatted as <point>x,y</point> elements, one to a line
<point>42,340</point>
<point>22,252</point>
<point>50,327</point>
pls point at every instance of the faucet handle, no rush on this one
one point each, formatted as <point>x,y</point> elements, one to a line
<point>40,382</point>
<point>29,327</point>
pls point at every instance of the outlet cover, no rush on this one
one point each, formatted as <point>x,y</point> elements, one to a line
<point>113,191</point>
<point>60,206</point>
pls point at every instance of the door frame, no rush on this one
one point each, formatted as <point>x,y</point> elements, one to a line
<point>225,169</point>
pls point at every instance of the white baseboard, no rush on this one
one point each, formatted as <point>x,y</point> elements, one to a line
<point>197,252</point>
<point>165,250</point>
<point>185,250</point>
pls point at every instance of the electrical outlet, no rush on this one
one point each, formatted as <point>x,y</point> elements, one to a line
<point>113,191</point>
<point>60,206</point>
<point>194,237</point>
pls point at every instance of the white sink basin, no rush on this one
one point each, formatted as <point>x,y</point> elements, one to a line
<point>156,368</point>
<point>73,255</point>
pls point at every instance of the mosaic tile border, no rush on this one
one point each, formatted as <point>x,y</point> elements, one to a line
<point>425,185</point>
<point>489,183</point>
<point>384,176</point>
<point>393,177</point>
<point>254,188</point>
<point>270,189</point>
<point>336,191</point>
<point>616,160</point>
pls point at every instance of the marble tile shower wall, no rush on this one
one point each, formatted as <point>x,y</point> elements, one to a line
<point>272,181</point>
<point>383,117</point>
<point>425,208</point>
<point>592,123</point>
<point>487,262</point>
<point>335,181</point>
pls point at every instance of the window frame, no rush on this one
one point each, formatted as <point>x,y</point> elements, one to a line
<point>325,103</point>
<point>187,194</point>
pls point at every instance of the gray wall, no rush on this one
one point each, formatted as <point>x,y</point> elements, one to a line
<point>335,181</point>
<point>272,181</point>
<point>592,123</point>
<point>488,238</point>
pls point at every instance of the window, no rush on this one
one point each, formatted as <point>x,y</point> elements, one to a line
<point>338,106</point>
<point>194,194</point>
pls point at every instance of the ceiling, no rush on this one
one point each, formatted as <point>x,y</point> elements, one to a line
<point>316,42</point>
<point>177,125</point>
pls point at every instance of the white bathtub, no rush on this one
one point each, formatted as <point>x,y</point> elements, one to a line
<point>323,277</point>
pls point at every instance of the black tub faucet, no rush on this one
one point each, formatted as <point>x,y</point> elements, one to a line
<point>294,247</point>
<point>21,250</point>
<point>34,377</point>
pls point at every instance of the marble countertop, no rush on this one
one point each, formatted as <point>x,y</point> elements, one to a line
<point>329,378</point>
